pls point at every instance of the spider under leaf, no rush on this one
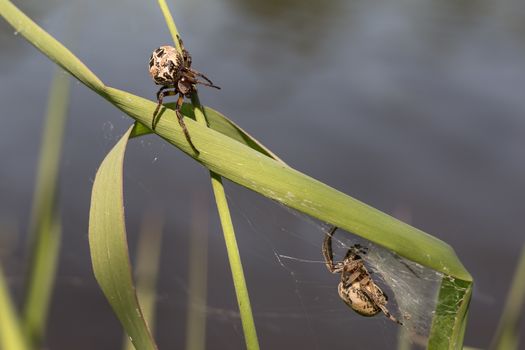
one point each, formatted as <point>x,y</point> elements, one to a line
<point>357,288</point>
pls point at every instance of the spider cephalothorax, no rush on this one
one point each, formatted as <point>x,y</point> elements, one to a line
<point>173,71</point>
<point>357,289</point>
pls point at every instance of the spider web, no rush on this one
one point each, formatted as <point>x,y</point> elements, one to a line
<point>294,242</point>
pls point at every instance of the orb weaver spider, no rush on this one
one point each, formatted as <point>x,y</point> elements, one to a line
<point>172,70</point>
<point>357,288</point>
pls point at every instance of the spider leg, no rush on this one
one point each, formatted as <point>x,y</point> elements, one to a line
<point>181,122</point>
<point>354,276</point>
<point>359,249</point>
<point>364,282</point>
<point>389,315</point>
<point>327,251</point>
<point>160,96</point>
<point>206,84</point>
<point>210,83</point>
<point>185,54</point>
<point>181,44</point>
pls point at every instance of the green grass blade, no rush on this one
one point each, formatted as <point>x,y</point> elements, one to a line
<point>147,267</point>
<point>170,23</point>
<point>249,168</point>
<point>241,290</point>
<point>239,282</point>
<point>49,46</point>
<point>274,180</point>
<point>220,123</point>
<point>448,324</point>
<point>45,228</point>
<point>11,335</point>
<point>59,54</point>
<point>109,248</point>
<point>507,336</point>
<point>234,256</point>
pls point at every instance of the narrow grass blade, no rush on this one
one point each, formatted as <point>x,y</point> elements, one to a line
<point>241,290</point>
<point>109,248</point>
<point>198,276</point>
<point>59,54</point>
<point>11,335</point>
<point>239,282</point>
<point>249,168</point>
<point>45,254</point>
<point>288,186</point>
<point>234,256</point>
<point>49,46</point>
<point>507,336</point>
<point>45,227</point>
<point>220,123</point>
<point>147,266</point>
<point>449,321</point>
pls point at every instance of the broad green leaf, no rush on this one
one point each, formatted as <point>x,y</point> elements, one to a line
<point>109,247</point>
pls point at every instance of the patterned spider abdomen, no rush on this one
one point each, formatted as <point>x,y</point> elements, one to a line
<point>164,65</point>
<point>356,298</point>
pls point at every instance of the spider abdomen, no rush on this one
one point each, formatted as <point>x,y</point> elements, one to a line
<point>164,65</point>
<point>356,298</point>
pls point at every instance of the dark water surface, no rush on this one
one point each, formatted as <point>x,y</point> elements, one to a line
<point>414,107</point>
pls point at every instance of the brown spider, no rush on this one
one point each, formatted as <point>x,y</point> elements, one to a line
<point>357,289</point>
<point>173,71</point>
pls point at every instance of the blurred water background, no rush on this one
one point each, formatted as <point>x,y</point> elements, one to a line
<point>414,107</point>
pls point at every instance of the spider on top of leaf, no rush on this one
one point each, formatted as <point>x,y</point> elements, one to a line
<point>172,70</point>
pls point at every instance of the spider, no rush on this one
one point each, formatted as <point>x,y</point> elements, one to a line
<point>357,289</point>
<point>173,71</point>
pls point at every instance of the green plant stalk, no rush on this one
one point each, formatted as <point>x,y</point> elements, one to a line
<point>170,23</point>
<point>45,227</point>
<point>234,256</point>
<point>147,267</point>
<point>11,334</point>
<point>507,336</point>
<point>241,290</point>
